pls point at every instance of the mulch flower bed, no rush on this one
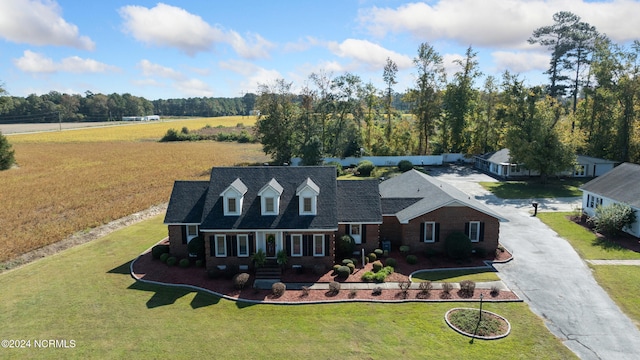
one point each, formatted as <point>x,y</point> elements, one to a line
<point>147,268</point>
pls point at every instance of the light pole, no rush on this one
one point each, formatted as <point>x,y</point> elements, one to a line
<point>481,296</point>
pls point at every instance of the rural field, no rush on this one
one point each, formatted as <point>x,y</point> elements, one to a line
<point>71,181</point>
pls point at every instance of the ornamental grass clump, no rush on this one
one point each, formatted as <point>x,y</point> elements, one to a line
<point>278,289</point>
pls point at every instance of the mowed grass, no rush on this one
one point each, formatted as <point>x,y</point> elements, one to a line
<point>64,187</point>
<point>86,294</point>
<point>586,243</point>
<point>533,189</point>
<point>456,275</point>
<point>143,131</point>
<point>622,283</point>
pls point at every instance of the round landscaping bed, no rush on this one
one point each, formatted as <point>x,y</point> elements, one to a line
<point>465,321</point>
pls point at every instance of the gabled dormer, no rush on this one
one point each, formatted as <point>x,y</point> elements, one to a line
<point>307,194</point>
<point>270,198</point>
<point>233,197</point>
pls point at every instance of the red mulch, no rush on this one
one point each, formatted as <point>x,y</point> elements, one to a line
<point>623,240</point>
<point>147,268</point>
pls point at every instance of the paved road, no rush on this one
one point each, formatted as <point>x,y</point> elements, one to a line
<point>550,276</point>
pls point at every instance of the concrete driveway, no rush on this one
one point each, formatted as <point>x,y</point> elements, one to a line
<point>552,279</point>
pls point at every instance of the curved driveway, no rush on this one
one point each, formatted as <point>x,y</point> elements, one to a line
<point>552,279</point>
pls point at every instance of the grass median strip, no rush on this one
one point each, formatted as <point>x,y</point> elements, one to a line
<point>456,275</point>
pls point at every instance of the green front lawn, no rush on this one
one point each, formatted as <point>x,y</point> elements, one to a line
<point>534,189</point>
<point>584,241</point>
<point>457,275</point>
<point>85,294</point>
<point>623,285</point>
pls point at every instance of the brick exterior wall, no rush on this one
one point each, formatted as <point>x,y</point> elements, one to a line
<point>450,219</point>
<point>308,262</point>
<point>371,240</point>
<point>176,247</point>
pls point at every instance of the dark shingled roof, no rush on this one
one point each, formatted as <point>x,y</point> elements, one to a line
<point>255,178</point>
<point>391,206</point>
<point>359,201</point>
<point>621,184</point>
<point>186,202</point>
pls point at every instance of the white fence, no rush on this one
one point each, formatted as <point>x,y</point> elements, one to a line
<point>393,160</point>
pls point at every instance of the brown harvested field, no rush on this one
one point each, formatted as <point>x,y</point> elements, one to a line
<point>62,188</point>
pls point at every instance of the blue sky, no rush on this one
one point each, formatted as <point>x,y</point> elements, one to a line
<point>194,48</point>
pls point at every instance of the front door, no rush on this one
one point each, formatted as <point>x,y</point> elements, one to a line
<point>271,244</point>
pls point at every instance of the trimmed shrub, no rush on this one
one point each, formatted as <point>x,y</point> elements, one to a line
<point>199,263</point>
<point>458,246</point>
<point>378,252</point>
<point>334,287</point>
<point>404,249</point>
<point>377,291</point>
<point>611,219</point>
<point>368,276</point>
<point>467,287</point>
<point>164,257</point>
<point>365,167</point>
<point>405,165</point>
<point>172,260</point>
<point>240,280</point>
<point>158,250</point>
<point>495,291</point>
<point>354,261</point>
<point>278,289</point>
<point>372,257</point>
<point>377,266</point>
<point>343,272</point>
<point>335,269</point>
<point>347,261</point>
<point>196,247</point>
<point>391,262</point>
<point>345,246</point>
<point>479,252</point>
<point>184,263</point>
<point>446,290</point>
<point>339,170</point>
<point>352,268</point>
<point>425,287</point>
<point>412,259</point>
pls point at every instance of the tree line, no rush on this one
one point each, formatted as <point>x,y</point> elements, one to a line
<point>589,107</point>
<point>55,106</point>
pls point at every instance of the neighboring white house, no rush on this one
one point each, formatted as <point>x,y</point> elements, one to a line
<point>620,185</point>
<point>141,118</point>
<point>499,163</point>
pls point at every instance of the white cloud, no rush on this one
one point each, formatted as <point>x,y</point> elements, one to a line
<point>497,23</point>
<point>520,62</point>
<point>152,70</point>
<point>33,62</point>
<point>170,26</point>
<point>194,87</point>
<point>301,44</point>
<point>372,56</point>
<point>39,22</point>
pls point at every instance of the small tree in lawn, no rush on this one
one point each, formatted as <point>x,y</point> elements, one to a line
<point>611,219</point>
<point>6,154</point>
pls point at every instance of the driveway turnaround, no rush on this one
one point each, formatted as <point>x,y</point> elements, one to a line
<point>554,281</point>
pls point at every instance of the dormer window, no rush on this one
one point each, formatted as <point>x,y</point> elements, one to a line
<point>270,198</point>
<point>308,193</point>
<point>233,198</point>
